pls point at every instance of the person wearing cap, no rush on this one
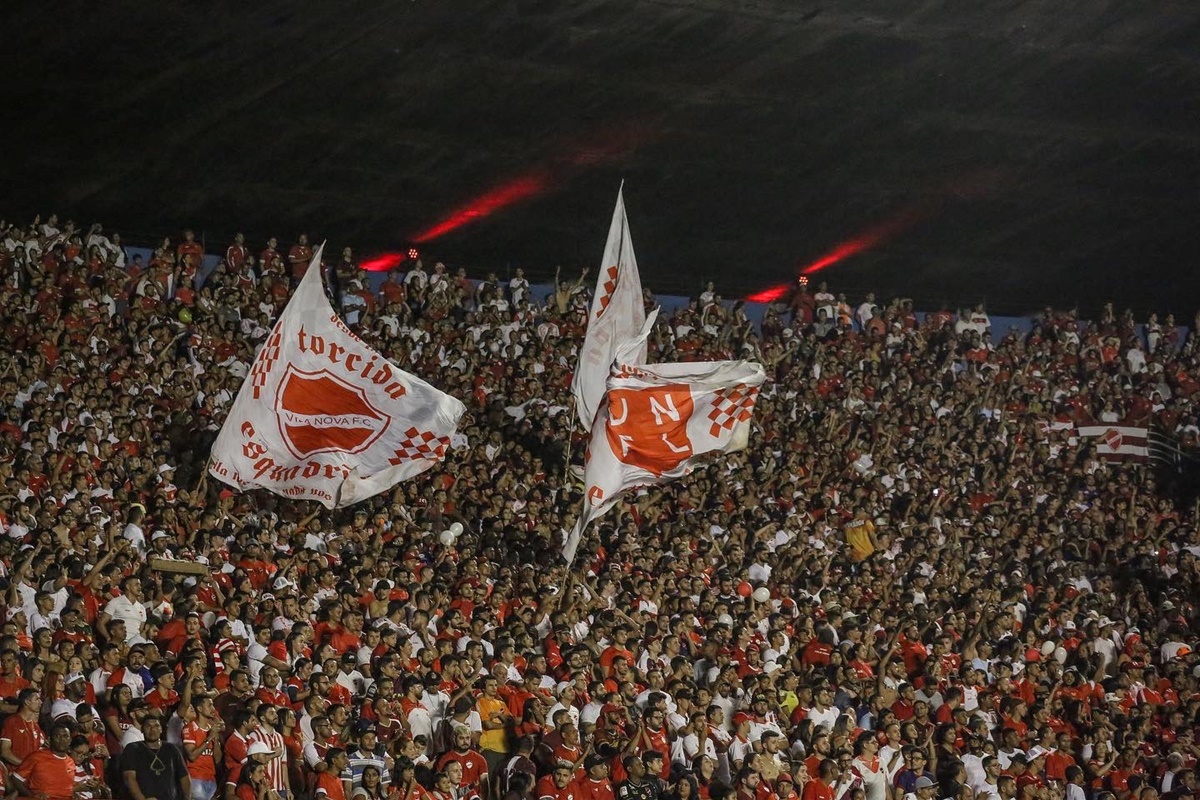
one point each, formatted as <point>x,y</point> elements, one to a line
<point>740,747</point>
<point>924,788</point>
<point>785,787</point>
<point>368,752</point>
<point>154,769</point>
<point>75,690</point>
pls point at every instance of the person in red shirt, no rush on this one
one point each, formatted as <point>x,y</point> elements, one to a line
<point>821,785</point>
<point>163,696</point>
<point>21,735</point>
<point>474,766</point>
<point>558,785</point>
<point>595,784</point>
<point>616,649</point>
<point>235,254</point>
<point>329,782</point>
<point>191,254</point>
<point>299,257</point>
<point>49,774</point>
<point>653,736</point>
<point>202,748</point>
<point>252,783</point>
<point>785,787</point>
<point>11,682</point>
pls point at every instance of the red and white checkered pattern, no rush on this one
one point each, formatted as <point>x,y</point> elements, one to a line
<point>732,405</point>
<point>418,445</point>
<point>609,287</point>
<point>266,361</point>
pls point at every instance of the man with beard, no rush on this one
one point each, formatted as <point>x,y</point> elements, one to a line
<point>154,769</point>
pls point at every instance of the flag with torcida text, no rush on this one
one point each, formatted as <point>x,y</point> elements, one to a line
<point>659,422</point>
<point>615,318</point>
<point>322,416</point>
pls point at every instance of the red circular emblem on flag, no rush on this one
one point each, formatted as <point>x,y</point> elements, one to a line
<point>320,412</point>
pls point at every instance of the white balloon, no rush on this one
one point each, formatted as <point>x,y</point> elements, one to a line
<point>762,594</point>
<point>1047,648</point>
<point>1060,654</point>
<point>456,528</point>
<point>446,538</point>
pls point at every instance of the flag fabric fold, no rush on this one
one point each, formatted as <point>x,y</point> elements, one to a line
<point>616,316</point>
<point>322,416</point>
<point>658,422</point>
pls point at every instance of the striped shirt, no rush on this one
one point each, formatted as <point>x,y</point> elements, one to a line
<point>361,759</point>
<point>277,766</point>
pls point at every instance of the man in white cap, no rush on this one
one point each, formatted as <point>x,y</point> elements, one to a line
<point>75,692</point>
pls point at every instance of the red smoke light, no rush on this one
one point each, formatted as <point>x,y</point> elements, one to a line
<point>768,295</point>
<point>486,204</point>
<point>383,263</point>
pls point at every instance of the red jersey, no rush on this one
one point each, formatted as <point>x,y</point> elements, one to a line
<point>474,767</point>
<point>44,772</point>
<point>330,786</point>
<point>589,789</point>
<point>203,767</point>
<point>25,737</point>
<point>547,789</point>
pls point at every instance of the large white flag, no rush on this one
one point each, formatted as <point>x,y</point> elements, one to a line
<point>616,317</point>
<point>661,421</point>
<point>323,417</point>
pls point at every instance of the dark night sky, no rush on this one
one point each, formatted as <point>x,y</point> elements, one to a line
<point>1022,153</point>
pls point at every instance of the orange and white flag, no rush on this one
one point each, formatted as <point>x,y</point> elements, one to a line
<point>324,417</point>
<point>659,422</point>
<point>615,318</point>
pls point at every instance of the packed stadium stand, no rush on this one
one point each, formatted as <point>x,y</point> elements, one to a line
<point>946,566</point>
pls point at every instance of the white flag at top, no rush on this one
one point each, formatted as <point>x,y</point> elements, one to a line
<point>324,417</point>
<point>615,318</point>
<point>661,421</point>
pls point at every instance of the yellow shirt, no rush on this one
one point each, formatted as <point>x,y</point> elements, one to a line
<point>495,739</point>
<point>858,536</point>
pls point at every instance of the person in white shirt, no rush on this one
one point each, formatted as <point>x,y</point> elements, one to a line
<point>823,713</point>
<point>126,607</point>
<point>987,786</point>
<point>518,287</point>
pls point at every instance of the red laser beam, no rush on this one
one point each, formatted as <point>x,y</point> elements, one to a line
<point>383,263</point>
<point>611,143</point>
<point>487,204</point>
<point>769,295</point>
<point>872,237</point>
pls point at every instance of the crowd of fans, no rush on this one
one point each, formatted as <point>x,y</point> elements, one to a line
<point>912,583</point>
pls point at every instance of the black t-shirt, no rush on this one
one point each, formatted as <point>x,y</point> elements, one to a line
<point>158,771</point>
<point>638,790</point>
